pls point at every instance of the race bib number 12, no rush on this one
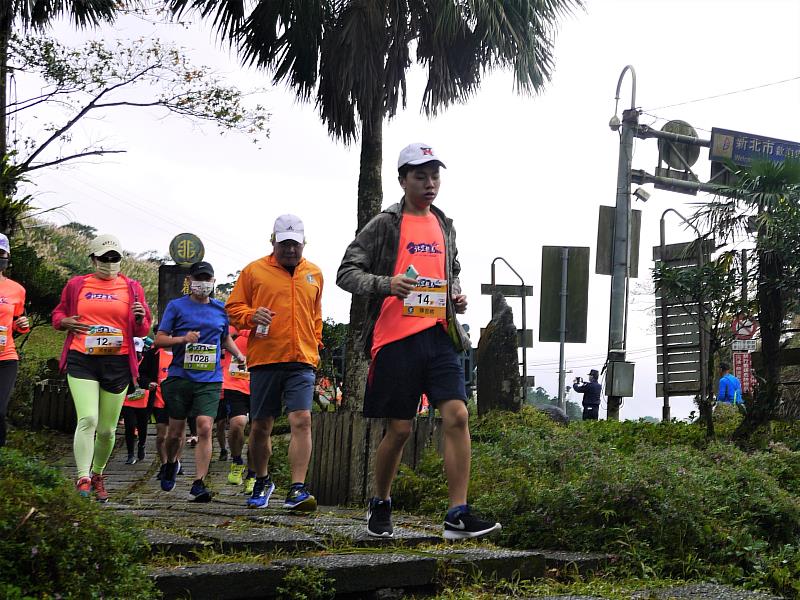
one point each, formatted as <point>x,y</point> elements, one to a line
<point>428,299</point>
<point>3,337</point>
<point>103,340</point>
<point>200,357</point>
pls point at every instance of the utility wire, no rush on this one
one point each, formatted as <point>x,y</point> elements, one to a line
<point>750,89</point>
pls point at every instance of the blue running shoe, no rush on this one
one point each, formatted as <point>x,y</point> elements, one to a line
<point>300,499</point>
<point>262,490</point>
<point>199,492</point>
<point>168,476</point>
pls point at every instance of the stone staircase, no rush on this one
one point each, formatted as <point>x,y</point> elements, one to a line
<point>223,550</point>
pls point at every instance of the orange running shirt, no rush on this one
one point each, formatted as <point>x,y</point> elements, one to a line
<point>236,378</point>
<point>12,305</point>
<point>421,245</point>
<point>105,305</point>
<point>164,361</point>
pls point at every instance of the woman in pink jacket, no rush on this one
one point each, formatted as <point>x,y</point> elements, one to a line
<point>102,312</point>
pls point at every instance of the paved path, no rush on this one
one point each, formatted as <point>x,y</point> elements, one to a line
<point>224,550</point>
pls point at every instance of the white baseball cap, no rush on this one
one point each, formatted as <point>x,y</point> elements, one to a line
<point>104,243</point>
<point>417,154</point>
<point>289,227</point>
<point>4,245</point>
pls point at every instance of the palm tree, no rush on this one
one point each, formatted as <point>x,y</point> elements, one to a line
<point>351,57</point>
<point>765,198</point>
<point>26,15</point>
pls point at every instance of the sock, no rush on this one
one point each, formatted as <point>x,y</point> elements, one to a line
<point>297,484</point>
<point>251,474</point>
<point>264,478</point>
<point>198,482</point>
<point>237,460</point>
<point>457,509</point>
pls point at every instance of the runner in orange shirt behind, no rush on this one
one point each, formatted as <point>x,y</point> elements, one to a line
<point>234,405</point>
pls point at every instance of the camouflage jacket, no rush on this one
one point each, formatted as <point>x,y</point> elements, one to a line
<point>368,264</point>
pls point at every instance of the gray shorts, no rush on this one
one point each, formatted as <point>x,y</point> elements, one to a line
<point>272,388</point>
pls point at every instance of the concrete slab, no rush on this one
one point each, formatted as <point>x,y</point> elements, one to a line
<point>171,543</point>
<point>356,573</point>
<point>230,581</point>
<point>500,563</point>
<point>357,535</point>
<point>258,539</point>
<point>702,591</point>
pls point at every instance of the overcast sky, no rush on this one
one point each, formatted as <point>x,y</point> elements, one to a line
<point>522,172</point>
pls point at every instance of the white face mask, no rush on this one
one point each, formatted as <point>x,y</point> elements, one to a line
<point>107,270</point>
<point>202,288</point>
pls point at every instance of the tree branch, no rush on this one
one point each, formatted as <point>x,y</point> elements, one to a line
<point>26,166</point>
<point>72,157</point>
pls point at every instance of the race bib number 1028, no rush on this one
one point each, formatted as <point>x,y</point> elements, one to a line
<point>200,357</point>
<point>428,299</point>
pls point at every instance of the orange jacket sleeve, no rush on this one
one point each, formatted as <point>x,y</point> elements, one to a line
<point>239,304</point>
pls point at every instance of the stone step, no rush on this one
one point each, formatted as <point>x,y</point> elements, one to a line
<point>352,573</point>
<point>696,591</point>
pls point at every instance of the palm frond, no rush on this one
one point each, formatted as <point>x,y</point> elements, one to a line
<point>39,14</point>
<point>226,15</point>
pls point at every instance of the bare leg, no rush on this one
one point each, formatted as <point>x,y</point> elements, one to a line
<point>260,446</point>
<point>202,452</point>
<point>387,459</point>
<point>457,449</point>
<point>300,444</point>
<point>174,441</point>
<point>236,434</point>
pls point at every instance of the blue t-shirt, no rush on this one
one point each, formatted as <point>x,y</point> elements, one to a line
<point>183,315</point>
<point>730,390</point>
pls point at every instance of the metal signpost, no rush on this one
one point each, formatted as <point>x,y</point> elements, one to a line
<point>185,249</point>
<point>524,335</point>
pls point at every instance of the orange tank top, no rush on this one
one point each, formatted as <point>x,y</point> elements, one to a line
<point>105,306</point>
<point>421,245</point>
<point>12,305</point>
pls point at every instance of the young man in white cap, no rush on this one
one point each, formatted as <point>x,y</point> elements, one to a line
<point>279,298</point>
<point>406,262</point>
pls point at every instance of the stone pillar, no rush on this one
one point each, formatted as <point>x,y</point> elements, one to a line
<point>498,361</point>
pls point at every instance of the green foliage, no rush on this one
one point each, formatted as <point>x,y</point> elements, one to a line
<point>58,544</point>
<point>661,497</point>
<point>306,584</point>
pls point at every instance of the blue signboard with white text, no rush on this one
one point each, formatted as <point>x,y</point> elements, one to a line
<point>744,148</point>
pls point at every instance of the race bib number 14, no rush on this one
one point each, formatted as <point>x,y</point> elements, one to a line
<point>200,357</point>
<point>428,299</point>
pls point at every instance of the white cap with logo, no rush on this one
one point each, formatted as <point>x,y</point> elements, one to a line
<point>4,245</point>
<point>289,227</point>
<point>104,243</point>
<point>417,154</point>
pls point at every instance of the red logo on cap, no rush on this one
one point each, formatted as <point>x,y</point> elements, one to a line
<point>427,151</point>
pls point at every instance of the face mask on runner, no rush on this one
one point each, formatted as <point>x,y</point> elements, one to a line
<point>107,270</point>
<point>3,264</point>
<point>202,288</point>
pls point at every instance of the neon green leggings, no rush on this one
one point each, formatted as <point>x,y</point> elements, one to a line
<point>98,413</point>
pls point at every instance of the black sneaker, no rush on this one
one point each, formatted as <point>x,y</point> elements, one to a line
<point>199,492</point>
<point>223,454</point>
<point>465,524</point>
<point>379,518</point>
<point>131,460</point>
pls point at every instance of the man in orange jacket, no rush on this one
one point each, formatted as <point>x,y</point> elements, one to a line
<point>279,298</point>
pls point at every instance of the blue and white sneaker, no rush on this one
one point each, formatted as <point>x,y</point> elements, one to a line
<point>262,490</point>
<point>199,492</point>
<point>300,499</point>
<point>168,476</point>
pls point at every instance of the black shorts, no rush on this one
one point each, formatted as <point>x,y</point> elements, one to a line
<point>113,373</point>
<point>233,404</point>
<point>160,415</point>
<point>426,362</point>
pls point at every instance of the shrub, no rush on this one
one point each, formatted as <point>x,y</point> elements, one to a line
<point>658,495</point>
<point>58,544</point>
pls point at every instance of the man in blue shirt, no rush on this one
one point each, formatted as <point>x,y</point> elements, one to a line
<point>196,328</point>
<point>730,388</point>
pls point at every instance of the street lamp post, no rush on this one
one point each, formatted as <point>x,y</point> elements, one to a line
<point>617,326</point>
